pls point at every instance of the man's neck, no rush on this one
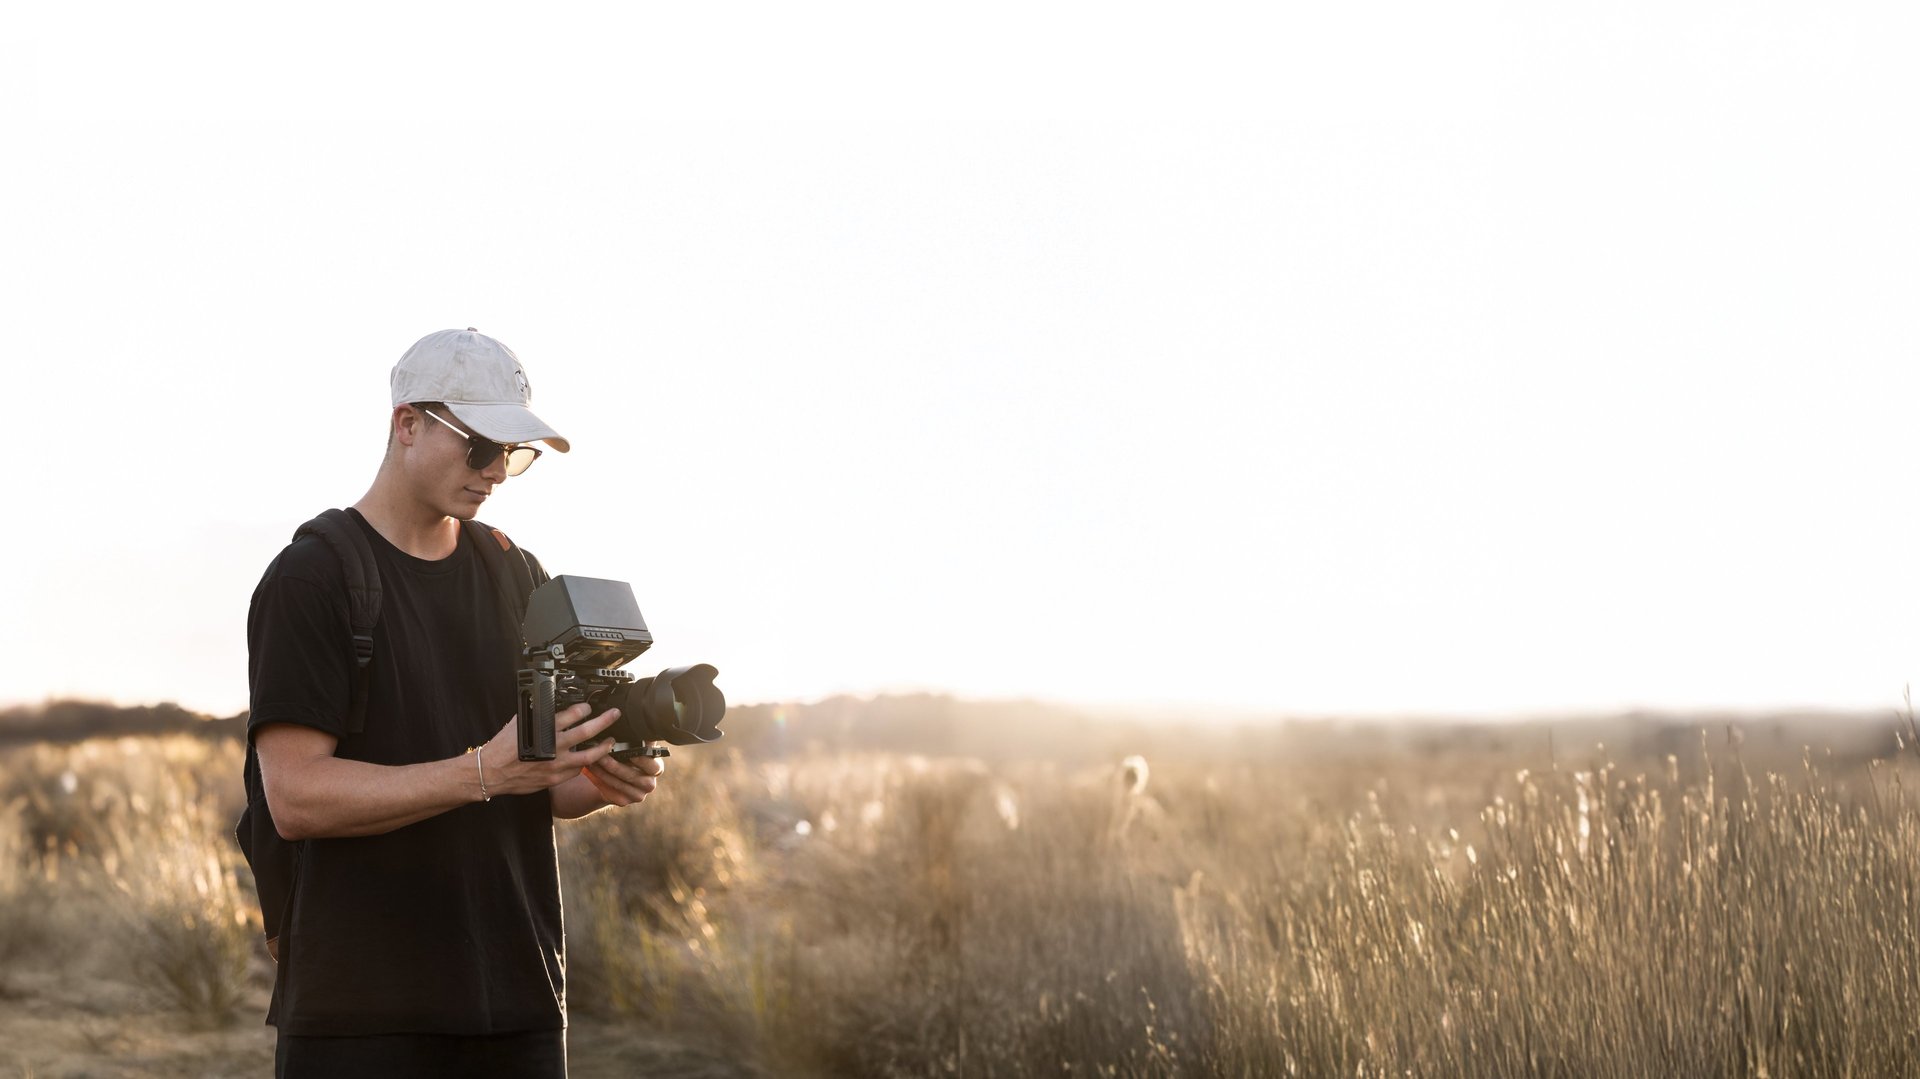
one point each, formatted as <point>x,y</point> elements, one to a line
<point>416,529</point>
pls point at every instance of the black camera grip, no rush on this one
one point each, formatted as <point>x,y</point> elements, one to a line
<point>536,715</point>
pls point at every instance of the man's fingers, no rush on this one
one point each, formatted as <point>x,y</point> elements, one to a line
<point>607,788</point>
<point>580,732</point>
<point>571,716</point>
<point>615,790</point>
<point>633,771</point>
<point>621,783</point>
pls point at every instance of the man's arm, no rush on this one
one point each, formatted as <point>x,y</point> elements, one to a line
<point>576,798</point>
<point>314,794</point>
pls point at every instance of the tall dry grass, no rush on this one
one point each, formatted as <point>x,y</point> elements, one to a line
<point>119,860</point>
<point>1487,912</point>
<point>1593,922</point>
<point>1704,917</point>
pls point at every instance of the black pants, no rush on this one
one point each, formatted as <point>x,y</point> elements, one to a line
<point>533,1054</point>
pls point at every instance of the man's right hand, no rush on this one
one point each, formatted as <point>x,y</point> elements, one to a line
<point>506,773</point>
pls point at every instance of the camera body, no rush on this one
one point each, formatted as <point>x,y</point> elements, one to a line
<point>578,632</point>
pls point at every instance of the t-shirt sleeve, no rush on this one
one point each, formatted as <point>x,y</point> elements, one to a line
<point>299,655</point>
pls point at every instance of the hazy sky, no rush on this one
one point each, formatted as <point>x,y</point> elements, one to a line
<point>1349,357</point>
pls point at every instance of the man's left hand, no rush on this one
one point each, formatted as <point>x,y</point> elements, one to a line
<point>625,783</point>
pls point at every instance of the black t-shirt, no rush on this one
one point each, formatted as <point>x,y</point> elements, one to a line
<point>450,925</point>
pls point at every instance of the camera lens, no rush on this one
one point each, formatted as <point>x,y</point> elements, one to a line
<point>685,702</point>
<point>680,705</point>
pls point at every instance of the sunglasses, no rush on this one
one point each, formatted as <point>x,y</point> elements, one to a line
<point>483,452</point>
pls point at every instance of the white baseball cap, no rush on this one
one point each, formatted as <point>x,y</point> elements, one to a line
<point>480,381</point>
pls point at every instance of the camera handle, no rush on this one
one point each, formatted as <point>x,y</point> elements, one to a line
<point>537,682</point>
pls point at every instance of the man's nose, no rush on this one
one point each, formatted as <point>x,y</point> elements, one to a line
<point>496,473</point>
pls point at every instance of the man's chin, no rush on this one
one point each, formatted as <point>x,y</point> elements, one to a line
<point>466,505</point>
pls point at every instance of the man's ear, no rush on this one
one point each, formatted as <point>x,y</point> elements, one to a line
<point>406,424</point>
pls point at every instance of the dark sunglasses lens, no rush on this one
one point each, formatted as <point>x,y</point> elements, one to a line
<point>519,457</point>
<point>481,453</point>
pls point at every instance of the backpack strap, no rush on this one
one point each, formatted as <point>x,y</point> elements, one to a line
<point>508,566</point>
<point>363,598</point>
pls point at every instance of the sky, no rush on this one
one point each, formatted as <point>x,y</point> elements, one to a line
<point>1284,359</point>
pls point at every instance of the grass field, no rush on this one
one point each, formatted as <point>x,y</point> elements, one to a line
<point>1314,904</point>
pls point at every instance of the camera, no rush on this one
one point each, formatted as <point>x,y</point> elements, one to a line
<point>578,631</point>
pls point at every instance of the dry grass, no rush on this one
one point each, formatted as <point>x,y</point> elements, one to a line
<point>124,847</point>
<point>1489,912</point>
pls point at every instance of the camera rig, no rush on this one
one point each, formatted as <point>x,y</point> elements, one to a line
<point>578,632</point>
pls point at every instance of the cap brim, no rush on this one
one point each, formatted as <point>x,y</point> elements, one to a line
<point>508,423</point>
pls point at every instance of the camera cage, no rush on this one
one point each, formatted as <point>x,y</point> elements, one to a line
<point>578,632</point>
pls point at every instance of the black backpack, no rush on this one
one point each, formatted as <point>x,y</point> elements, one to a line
<point>275,861</point>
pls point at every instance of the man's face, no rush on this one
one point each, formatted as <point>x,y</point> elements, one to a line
<point>438,463</point>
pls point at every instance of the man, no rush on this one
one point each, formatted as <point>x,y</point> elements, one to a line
<point>423,936</point>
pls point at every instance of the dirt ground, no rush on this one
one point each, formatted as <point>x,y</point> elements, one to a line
<point>55,1026</point>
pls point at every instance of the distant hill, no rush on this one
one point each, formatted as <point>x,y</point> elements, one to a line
<point>932,724</point>
<point>77,721</point>
<point>939,725</point>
